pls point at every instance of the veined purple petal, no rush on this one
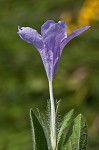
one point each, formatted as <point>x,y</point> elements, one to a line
<point>52,40</point>
<point>46,26</point>
<point>31,36</point>
<point>56,29</point>
<point>71,36</point>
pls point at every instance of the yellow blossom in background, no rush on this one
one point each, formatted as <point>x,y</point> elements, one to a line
<point>88,12</point>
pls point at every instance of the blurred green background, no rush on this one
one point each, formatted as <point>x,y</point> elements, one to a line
<point>23,82</point>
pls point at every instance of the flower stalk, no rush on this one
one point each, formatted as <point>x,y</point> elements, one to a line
<point>53,117</point>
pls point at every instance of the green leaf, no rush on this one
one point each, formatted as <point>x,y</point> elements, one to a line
<point>38,135</point>
<point>45,122</point>
<point>65,127</point>
<point>78,138</point>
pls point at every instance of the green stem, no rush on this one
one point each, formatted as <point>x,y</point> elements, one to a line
<point>53,117</point>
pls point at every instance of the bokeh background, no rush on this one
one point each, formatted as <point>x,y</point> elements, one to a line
<point>23,82</point>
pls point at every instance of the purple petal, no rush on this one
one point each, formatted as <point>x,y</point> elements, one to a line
<point>52,40</point>
<point>46,26</point>
<point>31,36</point>
<point>71,36</point>
<point>53,37</point>
<point>56,29</point>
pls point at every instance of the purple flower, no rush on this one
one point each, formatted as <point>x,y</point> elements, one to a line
<point>50,43</point>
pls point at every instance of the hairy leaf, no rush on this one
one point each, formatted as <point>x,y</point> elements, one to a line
<point>38,135</point>
<point>65,127</point>
<point>78,138</point>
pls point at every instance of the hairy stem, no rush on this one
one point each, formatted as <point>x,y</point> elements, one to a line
<point>53,117</point>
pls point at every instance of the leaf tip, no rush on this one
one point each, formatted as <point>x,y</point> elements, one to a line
<point>31,110</point>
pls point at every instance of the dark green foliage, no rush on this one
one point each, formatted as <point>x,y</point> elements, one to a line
<point>38,135</point>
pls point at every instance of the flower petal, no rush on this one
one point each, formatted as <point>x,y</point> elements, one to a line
<point>71,36</point>
<point>31,36</point>
<point>52,40</point>
<point>46,26</point>
<point>56,29</point>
